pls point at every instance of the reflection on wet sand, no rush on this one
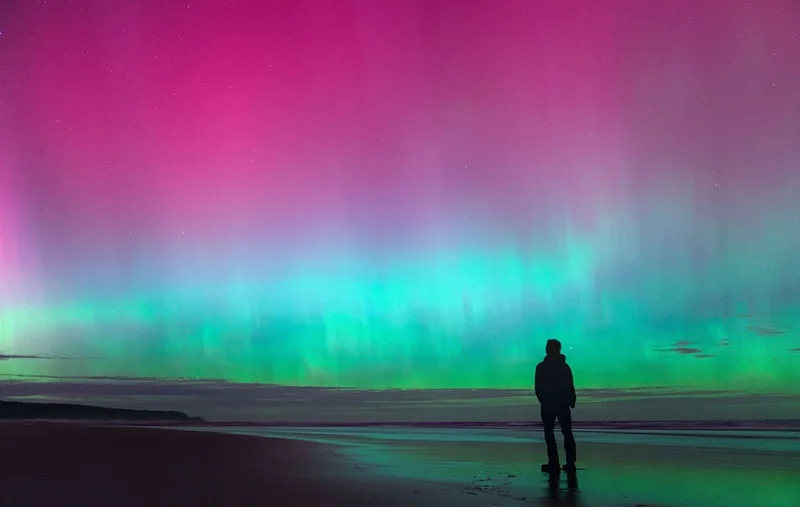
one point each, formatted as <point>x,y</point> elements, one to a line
<point>645,468</point>
<point>557,495</point>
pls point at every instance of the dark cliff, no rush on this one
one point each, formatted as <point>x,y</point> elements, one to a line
<point>24,410</point>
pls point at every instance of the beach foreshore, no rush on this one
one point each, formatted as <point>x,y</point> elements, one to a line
<point>92,465</point>
<point>45,464</point>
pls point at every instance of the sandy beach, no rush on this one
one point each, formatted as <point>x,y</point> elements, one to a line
<point>88,466</point>
<point>59,464</point>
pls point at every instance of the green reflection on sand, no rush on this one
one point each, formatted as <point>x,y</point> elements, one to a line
<point>621,468</point>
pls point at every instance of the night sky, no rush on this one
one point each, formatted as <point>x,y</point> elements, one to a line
<point>201,197</point>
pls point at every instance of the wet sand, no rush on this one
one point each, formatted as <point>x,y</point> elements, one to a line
<point>619,467</point>
<point>56,464</point>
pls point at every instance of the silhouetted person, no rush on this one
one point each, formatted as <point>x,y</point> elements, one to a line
<point>555,390</point>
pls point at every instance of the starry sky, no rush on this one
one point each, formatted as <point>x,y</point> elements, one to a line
<point>400,200</point>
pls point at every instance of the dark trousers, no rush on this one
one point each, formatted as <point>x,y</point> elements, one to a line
<point>564,415</point>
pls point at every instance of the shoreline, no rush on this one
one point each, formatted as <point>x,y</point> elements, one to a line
<point>789,425</point>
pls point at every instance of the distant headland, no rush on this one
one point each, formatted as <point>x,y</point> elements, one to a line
<point>66,411</point>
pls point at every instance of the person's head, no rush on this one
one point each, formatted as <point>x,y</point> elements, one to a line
<point>553,347</point>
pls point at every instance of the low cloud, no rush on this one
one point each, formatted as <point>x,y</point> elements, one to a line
<point>765,331</point>
<point>683,347</point>
<point>15,356</point>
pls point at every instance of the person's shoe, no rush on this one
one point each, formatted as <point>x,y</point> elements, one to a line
<point>569,467</point>
<point>550,468</point>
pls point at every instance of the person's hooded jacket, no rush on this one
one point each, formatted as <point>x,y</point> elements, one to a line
<point>553,383</point>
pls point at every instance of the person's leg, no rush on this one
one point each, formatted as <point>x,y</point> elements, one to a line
<point>565,421</point>
<point>549,422</point>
